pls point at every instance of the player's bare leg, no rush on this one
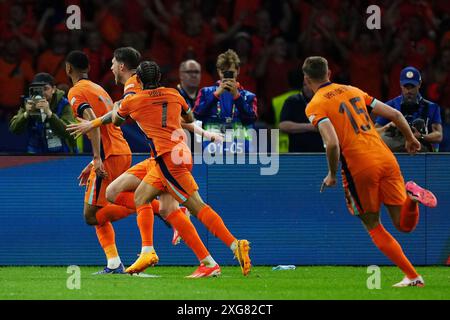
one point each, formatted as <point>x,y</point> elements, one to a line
<point>143,195</point>
<point>391,249</point>
<point>216,226</point>
<point>126,182</point>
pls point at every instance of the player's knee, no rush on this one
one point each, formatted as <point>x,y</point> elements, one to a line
<point>92,221</point>
<point>111,193</point>
<point>163,213</point>
<point>139,199</point>
<point>89,217</point>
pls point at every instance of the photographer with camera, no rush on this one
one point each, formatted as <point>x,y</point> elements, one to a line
<point>226,108</point>
<point>45,114</point>
<point>423,116</point>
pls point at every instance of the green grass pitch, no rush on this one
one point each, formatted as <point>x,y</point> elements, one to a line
<point>327,282</point>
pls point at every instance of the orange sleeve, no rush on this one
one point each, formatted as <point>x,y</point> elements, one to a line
<point>368,99</point>
<point>130,89</point>
<point>77,101</point>
<point>185,109</point>
<point>315,113</point>
<point>124,109</point>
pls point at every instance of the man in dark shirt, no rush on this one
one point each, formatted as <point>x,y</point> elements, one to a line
<point>303,137</point>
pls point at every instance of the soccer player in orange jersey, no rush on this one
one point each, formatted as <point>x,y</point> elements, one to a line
<point>370,172</point>
<point>157,112</point>
<point>112,156</point>
<point>121,190</point>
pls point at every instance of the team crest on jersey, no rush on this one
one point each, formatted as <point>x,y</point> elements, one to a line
<point>311,118</point>
<point>72,101</point>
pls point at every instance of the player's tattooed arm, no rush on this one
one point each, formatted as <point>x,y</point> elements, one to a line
<point>84,126</point>
<point>117,119</point>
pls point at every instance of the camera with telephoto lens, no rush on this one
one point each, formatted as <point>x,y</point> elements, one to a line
<point>35,94</point>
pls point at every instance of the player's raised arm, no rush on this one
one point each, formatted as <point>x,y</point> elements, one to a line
<point>412,145</point>
<point>192,127</point>
<point>331,142</point>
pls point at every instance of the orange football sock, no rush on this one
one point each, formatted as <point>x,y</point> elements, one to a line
<point>409,215</point>
<point>112,212</point>
<point>188,233</point>
<point>215,225</point>
<point>391,249</point>
<point>126,199</point>
<point>145,220</point>
<point>106,237</point>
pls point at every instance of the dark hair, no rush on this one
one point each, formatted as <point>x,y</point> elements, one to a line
<point>45,78</point>
<point>129,56</point>
<point>316,68</point>
<point>78,59</point>
<point>149,73</point>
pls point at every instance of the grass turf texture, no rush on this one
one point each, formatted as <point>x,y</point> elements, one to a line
<point>328,282</point>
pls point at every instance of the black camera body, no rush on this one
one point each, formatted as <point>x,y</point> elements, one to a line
<point>35,93</point>
<point>228,75</point>
<point>408,110</point>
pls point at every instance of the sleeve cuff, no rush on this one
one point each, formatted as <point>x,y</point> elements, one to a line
<point>81,109</point>
<point>120,116</point>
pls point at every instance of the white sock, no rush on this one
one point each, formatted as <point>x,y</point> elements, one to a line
<point>234,246</point>
<point>147,249</point>
<point>114,263</point>
<point>209,261</point>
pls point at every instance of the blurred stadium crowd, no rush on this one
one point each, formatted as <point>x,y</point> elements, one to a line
<point>272,37</point>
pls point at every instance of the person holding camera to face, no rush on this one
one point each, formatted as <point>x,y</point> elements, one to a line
<point>44,115</point>
<point>423,116</point>
<point>227,108</point>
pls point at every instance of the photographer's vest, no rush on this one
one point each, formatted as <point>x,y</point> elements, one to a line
<point>42,138</point>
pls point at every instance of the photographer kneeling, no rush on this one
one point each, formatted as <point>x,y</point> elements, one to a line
<point>45,114</point>
<point>423,116</point>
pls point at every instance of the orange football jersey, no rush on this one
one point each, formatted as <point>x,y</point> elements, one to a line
<point>87,94</point>
<point>157,112</point>
<point>346,108</point>
<point>132,86</point>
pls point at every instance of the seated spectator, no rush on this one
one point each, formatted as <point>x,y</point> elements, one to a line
<point>243,47</point>
<point>303,136</point>
<point>423,116</point>
<point>226,105</point>
<point>273,59</point>
<point>15,74</point>
<point>52,60</point>
<point>99,56</point>
<point>45,115</point>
